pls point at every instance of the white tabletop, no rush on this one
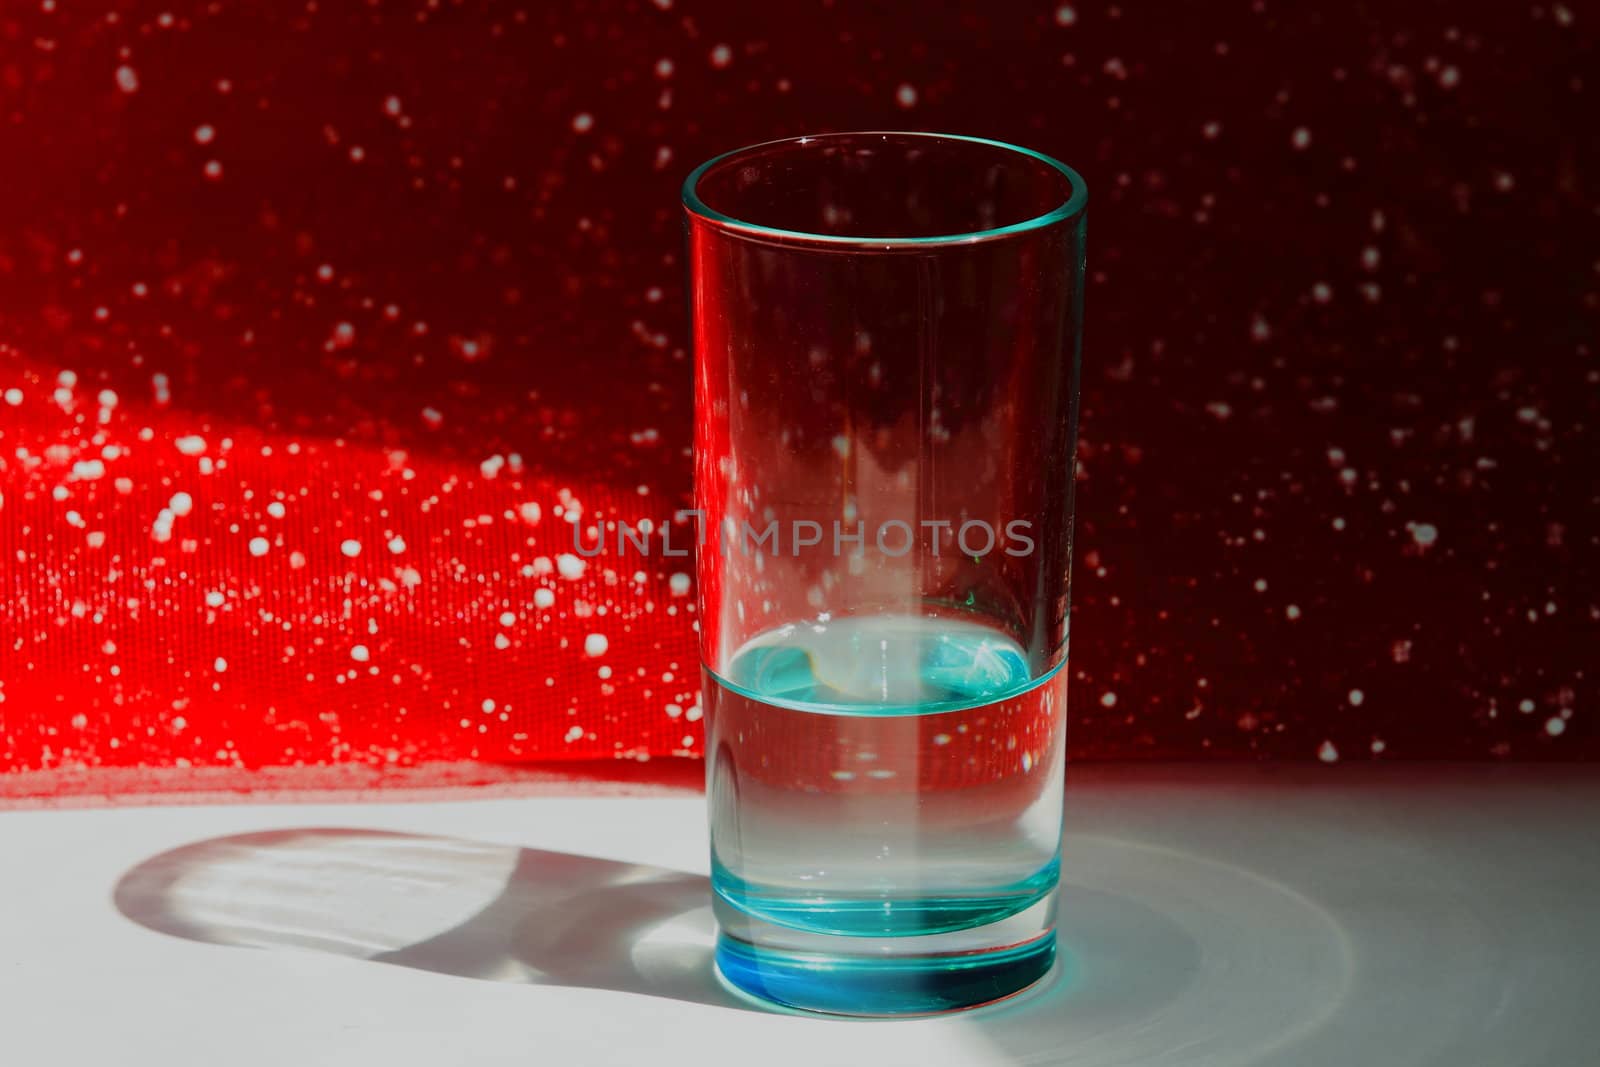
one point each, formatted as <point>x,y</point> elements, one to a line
<point>1305,916</point>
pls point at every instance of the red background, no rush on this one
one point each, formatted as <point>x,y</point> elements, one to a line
<point>408,276</point>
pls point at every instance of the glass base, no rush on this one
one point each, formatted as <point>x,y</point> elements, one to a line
<point>923,984</point>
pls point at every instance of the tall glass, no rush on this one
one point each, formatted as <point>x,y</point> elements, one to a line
<point>886,334</point>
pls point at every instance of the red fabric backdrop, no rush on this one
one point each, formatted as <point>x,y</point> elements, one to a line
<point>320,324</point>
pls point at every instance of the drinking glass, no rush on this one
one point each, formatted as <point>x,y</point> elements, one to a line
<point>886,339</point>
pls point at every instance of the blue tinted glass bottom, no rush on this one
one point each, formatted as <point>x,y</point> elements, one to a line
<point>881,916</point>
<point>865,985</point>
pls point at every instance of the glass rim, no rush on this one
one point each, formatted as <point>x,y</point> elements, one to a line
<point>1071,207</point>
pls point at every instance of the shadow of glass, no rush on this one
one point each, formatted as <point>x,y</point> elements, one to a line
<point>1165,957</point>
<point>471,909</point>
